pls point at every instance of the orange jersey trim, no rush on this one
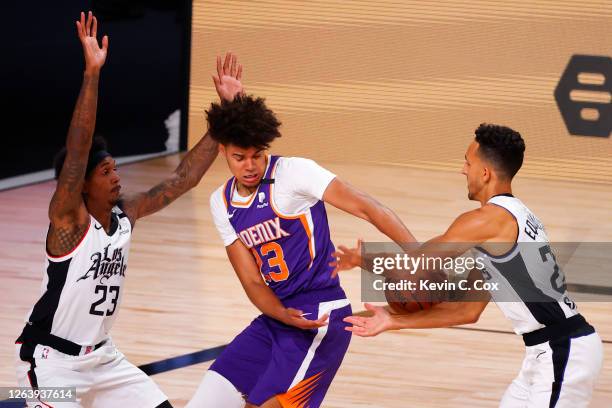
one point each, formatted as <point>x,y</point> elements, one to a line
<point>238,204</point>
<point>223,194</point>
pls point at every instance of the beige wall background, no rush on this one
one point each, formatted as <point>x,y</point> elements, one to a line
<point>405,83</point>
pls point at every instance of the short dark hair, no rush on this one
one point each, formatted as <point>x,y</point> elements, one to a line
<point>98,144</point>
<point>502,146</point>
<point>245,121</point>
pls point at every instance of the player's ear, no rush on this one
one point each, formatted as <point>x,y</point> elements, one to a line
<point>486,174</point>
<point>221,149</point>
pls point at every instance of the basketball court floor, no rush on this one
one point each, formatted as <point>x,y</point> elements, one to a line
<point>183,301</point>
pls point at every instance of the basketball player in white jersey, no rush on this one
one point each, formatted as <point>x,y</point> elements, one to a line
<point>563,352</point>
<point>65,342</point>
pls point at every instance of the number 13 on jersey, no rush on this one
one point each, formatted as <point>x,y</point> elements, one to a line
<point>278,270</point>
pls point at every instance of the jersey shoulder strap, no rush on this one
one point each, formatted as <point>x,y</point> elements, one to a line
<point>529,226</point>
<point>120,213</point>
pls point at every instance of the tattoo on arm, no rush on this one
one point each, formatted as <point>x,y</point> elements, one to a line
<point>164,193</point>
<point>186,176</point>
<point>67,212</point>
<point>62,240</point>
<point>67,198</point>
<point>197,161</point>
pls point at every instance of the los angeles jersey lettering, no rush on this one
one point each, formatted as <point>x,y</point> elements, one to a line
<point>292,251</point>
<point>81,291</point>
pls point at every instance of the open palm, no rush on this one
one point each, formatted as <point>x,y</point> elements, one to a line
<point>228,79</point>
<point>87,32</point>
<point>378,322</point>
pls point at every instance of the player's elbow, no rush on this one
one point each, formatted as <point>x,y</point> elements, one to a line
<point>252,284</point>
<point>462,312</point>
<point>371,210</point>
<point>365,214</point>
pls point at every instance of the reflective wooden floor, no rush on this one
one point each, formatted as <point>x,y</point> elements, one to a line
<point>182,295</point>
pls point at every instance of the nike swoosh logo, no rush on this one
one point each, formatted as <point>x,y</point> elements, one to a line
<point>98,227</point>
<point>540,354</point>
<point>231,215</point>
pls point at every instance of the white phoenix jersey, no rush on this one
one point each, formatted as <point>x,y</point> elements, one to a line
<point>532,292</point>
<point>81,291</point>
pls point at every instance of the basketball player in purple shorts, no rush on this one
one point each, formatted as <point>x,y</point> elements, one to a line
<point>272,219</point>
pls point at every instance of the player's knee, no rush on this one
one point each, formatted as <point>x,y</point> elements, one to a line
<point>216,391</point>
<point>165,404</point>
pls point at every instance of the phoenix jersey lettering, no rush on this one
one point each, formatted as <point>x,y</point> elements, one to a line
<point>292,251</point>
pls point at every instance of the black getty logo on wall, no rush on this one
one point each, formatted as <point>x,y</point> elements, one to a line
<point>584,95</point>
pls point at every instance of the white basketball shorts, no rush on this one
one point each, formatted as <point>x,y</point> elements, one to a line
<point>559,374</point>
<point>103,378</point>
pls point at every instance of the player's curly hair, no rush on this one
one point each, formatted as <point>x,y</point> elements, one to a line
<point>98,144</point>
<point>502,146</point>
<point>245,122</point>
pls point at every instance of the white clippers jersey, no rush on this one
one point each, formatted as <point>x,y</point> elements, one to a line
<point>532,292</point>
<point>81,291</point>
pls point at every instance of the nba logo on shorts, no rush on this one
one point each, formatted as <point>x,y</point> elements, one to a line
<point>45,353</point>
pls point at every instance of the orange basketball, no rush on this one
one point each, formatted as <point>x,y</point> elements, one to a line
<point>406,301</point>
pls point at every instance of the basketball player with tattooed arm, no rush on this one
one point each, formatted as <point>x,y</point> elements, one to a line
<point>563,352</point>
<point>66,342</point>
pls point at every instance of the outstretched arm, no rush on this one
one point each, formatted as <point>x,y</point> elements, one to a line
<point>67,213</point>
<point>445,314</point>
<point>186,176</point>
<point>489,223</point>
<point>486,224</point>
<point>347,198</point>
<point>196,162</point>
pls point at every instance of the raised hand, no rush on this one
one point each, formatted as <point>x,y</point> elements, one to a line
<point>346,258</point>
<point>379,322</point>
<point>296,318</point>
<point>228,79</point>
<point>87,32</point>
